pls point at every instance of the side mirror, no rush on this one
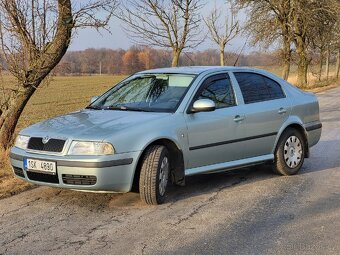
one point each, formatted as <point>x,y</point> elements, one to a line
<point>93,99</point>
<point>203,105</point>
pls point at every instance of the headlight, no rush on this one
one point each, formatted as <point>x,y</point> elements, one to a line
<point>90,148</point>
<point>21,141</point>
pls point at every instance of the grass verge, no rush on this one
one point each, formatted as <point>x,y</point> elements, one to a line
<point>9,185</point>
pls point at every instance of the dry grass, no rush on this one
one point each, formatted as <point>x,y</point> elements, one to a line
<point>66,94</point>
<point>9,185</point>
<point>313,84</point>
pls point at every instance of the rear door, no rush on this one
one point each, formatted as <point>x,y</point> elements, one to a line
<point>213,135</point>
<point>266,108</point>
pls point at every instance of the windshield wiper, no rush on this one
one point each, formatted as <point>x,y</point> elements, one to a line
<point>93,107</point>
<point>138,109</point>
<point>124,108</point>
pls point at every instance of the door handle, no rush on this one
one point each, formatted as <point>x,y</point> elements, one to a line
<point>238,118</point>
<point>282,111</point>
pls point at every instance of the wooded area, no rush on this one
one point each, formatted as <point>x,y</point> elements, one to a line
<point>108,61</point>
<point>303,27</point>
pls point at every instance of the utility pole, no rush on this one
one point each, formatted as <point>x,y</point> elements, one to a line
<point>100,67</point>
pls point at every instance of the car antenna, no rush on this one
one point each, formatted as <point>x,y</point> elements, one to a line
<point>238,56</point>
<point>190,59</point>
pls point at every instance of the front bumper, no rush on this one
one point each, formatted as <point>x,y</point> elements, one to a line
<point>112,173</point>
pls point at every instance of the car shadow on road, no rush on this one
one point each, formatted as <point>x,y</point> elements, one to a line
<point>324,156</point>
<point>210,183</point>
<point>195,186</point>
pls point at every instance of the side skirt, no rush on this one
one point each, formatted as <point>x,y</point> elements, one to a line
<point>220,167</point>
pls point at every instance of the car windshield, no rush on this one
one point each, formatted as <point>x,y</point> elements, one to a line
<point>150,93</point>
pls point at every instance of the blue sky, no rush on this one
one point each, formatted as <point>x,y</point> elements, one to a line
<point>90,38</point>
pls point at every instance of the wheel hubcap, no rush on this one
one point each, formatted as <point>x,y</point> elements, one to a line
<point>163,175</point>
<point>293,151</point>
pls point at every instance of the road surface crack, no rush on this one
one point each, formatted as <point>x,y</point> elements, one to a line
<point>208,201</point>
<point>21,237</point>
<point>21,207</point>
<point>143,248</point>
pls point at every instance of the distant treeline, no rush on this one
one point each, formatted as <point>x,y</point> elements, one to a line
<point>108,61</point>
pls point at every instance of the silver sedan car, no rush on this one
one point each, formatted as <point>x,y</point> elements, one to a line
<point>166,124</point>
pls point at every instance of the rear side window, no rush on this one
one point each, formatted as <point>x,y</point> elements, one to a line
<point>220,91</point>
<point>258,88</point>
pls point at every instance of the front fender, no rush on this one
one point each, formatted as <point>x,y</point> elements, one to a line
<point>171,130</point>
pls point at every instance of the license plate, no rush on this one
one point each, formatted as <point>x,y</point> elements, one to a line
<point>42,166</point>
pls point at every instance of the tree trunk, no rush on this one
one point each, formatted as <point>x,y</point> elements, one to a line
<point>285,69</point>
<point>175,57</point>
<point>320,69</point>
<point>222,58</point>
<point>39,67</point>
<point>327,62</point>
<point>337,69</point>
<point>302,71</point>
<point>302,63</point>
<point>10,116</point>
<point>300,40</point>
<point>222,62</point>
<point>287,56</point>
<point>320,65</point>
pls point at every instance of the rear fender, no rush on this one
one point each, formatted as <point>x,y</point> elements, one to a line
<point>291,122</point>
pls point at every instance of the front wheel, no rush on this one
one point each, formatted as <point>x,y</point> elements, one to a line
<point>290,152</point>
<point>154,175</point>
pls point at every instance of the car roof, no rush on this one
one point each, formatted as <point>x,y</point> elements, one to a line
<point>195,69</point>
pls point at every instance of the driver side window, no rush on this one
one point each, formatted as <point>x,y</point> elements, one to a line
<point>220,91</point>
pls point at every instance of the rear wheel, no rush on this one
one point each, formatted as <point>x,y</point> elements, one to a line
<point>290,152</point>
<point>154,175</point>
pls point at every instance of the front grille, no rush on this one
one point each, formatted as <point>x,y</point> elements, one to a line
<point>40,177</point>
<point>53,145</point>
<point>79,179</point>
<point>18,171</point>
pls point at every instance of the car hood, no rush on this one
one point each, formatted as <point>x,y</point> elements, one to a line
<point>91,124</point>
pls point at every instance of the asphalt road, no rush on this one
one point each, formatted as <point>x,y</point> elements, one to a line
<point>249,211</point>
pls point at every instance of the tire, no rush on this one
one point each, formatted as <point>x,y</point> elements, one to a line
<point>154,175</point>
<point>290,152</point>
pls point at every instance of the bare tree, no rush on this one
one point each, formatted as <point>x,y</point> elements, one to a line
<point>171,24</point>
<point>333,35</point>
<point>336,38</point>
<point>223,29</point>
<point>306,15</point>
<point>326,39</point>
<point>321,44</point>
<point>268,23</point>
<point>34,36</point>
<point>290,21</point>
